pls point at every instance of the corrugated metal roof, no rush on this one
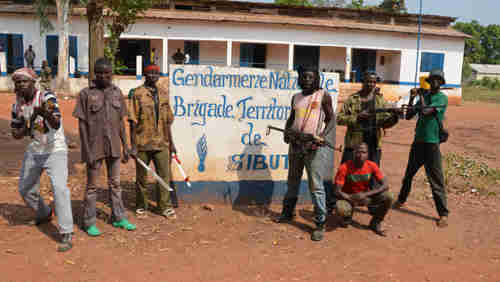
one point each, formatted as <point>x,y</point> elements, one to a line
<point>486,69</point>
<point>215,16</point>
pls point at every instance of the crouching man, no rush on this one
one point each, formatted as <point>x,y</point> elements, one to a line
<point>36,115</point>
<point>352,186</point>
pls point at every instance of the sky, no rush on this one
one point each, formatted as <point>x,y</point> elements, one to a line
<point>484,11</point>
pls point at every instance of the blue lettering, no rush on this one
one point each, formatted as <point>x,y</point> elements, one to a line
<point>276,163</point>
<point>262,82</point>
<point>244,108</point>
<point>181,79</point>
<point>274,80</point>
<point>189,79</point>
<point>259,162</point>
<point>179,105</point>
<point>236,160</point>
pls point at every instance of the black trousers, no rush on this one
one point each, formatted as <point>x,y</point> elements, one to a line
<point>428,155</point>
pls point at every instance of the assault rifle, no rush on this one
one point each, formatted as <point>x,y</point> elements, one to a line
<point>303,137</point>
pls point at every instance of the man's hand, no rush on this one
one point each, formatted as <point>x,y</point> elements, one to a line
<point>287,135</point>
<point>40,111</point>
<point>125,155</point>
<point>413,93</point>
<point>172,148</point>
<point>360,199</point>
<point>319,140</point>
<point>364,115</point>
<point>133,152</point>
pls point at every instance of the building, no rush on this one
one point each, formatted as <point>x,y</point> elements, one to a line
<point>260,35</point>
<point>480,71</point>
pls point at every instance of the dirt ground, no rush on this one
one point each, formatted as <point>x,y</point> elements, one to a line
<point>226,244</point>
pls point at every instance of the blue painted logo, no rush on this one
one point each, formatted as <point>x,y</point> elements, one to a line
<point>202,149</point>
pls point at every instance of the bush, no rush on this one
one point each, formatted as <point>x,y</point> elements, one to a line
<point>486,82</point>
<point>495,84</point>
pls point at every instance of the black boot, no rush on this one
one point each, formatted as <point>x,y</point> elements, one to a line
<point>317,234</point>
<point>65,244</point>
<point>288,212</point>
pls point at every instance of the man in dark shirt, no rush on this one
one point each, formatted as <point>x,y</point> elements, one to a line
<point>100,110</point>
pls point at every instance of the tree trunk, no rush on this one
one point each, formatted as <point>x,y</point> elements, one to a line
<point>62,82</point>
<point>96,33</point>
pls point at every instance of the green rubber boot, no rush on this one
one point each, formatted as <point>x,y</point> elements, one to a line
<point>124,224</point>
<point>93,231</point>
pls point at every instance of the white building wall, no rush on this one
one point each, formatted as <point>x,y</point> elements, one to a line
<point>213,36</point>
<point>331,58</point>
<point>277,56</point>
<point>390,70</point>
<point>29,27</point>
<point>236,54</point>
<point>213,53</point>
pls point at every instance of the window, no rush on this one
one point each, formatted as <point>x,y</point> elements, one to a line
<point>431,61</point>
<point>192,48</point>
<point>253,55</point>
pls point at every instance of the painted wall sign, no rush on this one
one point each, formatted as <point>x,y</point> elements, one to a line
<point>221,116</point>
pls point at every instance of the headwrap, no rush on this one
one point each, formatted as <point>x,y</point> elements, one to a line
<point>151,68</point>
<point>24,72</point>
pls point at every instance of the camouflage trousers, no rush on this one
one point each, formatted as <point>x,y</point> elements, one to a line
<point>161,160</point>
<point>381,202</point>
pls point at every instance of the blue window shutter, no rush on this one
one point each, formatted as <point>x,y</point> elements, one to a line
<point>431,61</point>
<point>73,49</point>
<point>18,50</point>
<point>52,47</point>
<point>3,43</point>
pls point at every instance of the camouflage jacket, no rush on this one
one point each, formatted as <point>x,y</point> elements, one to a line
<point>348,116</point>
<point>150,134</point>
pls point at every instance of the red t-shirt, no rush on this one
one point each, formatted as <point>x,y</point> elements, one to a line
<point>354,180</point>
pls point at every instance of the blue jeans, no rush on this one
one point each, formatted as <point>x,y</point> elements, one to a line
<point>313,162</point>
<point>56,166</point>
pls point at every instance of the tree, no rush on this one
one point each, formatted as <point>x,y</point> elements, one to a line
<point>293,2</point>
<point>474,51</point>
<point>328,3</point>
<point>394,6</point>
<point>122,14</point>
<point>95,18</point>
<point>356,4</point>
<point>63,21</point>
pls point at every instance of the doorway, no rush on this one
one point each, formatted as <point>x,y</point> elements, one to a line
<point>363,60</point>
<point>306,56</point>
<point>128,51</point>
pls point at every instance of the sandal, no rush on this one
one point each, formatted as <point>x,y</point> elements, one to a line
<point>169,213</point>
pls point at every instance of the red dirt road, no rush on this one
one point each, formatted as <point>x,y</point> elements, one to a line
<point>229,244</point>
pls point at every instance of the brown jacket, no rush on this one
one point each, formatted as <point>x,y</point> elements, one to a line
<point>150,135</point>
<point>103,112</point>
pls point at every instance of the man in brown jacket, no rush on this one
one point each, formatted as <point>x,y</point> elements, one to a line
<point>150,118</point>
<point>100,110</point>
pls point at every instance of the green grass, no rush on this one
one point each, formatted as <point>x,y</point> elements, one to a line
<point>463,173</point>
<point>480,94</point>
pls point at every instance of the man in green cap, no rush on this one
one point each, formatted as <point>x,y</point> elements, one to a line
<point>425,150</point>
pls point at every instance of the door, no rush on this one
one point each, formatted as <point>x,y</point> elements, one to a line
<point>363,60</point>
<point>193,49</point>
<point>306,56</point>
<point>17,51</point>
<point>52,46</point>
